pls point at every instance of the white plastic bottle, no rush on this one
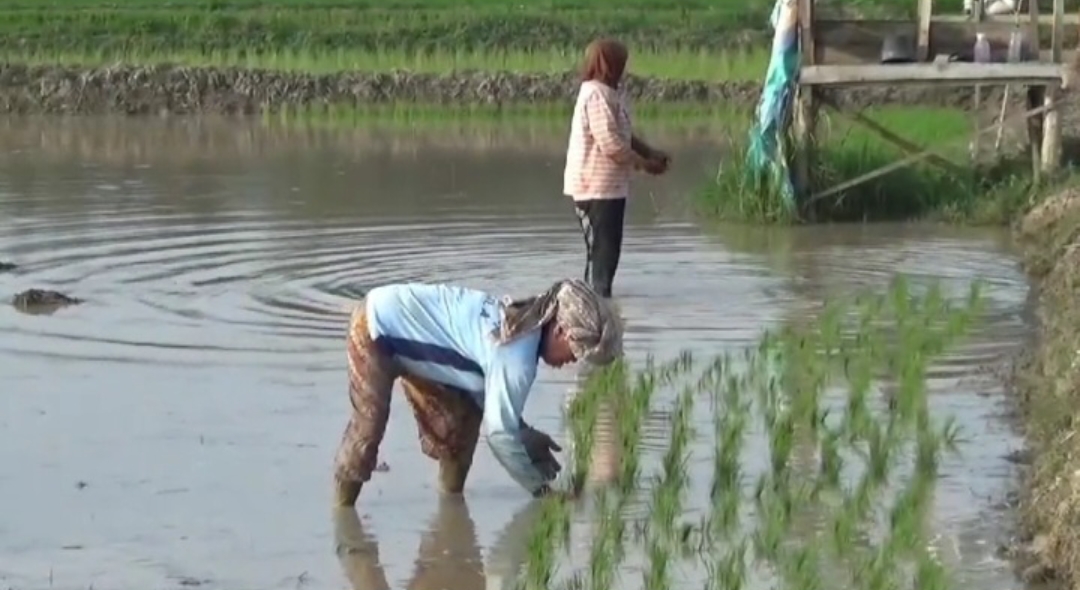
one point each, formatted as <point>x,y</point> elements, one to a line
<point>982,48</point>
<point>1016,47</point>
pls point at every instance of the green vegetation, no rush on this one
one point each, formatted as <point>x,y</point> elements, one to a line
<point>354,27</point>
<point>991,195</point>
<point>677,40</point>
<point>676,64</point>
<point>851,445</point>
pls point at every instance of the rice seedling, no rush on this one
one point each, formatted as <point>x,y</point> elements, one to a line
<point>817,385</point>
<point>671,485</point>
<point>545,539</point>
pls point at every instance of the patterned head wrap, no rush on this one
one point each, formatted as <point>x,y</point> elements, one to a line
<point>592,328</point>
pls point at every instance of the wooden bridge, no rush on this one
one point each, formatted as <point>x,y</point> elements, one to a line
<point>843,52</point>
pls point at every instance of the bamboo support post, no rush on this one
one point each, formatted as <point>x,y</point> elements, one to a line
<point>1035,96</point>
<point>926,12</point>
<point>1051,137</point>
<point>804,128</point>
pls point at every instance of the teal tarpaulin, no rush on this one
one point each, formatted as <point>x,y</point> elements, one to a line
<point>764,154</point>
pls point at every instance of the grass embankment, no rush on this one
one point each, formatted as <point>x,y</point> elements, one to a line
<point>995,194</point>
<point>819,478</point>
<point>1049,386</point>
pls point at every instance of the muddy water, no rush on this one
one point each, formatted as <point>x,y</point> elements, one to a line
<point>177,429</point>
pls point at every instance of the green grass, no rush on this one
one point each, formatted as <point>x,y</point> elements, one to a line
<point>481,27</point>
<point>993,195</point>
<point>321,26</point>
<point>812,389</point>
<point>680,64</point>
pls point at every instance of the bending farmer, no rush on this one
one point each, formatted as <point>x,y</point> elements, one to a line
<point>465,359</point>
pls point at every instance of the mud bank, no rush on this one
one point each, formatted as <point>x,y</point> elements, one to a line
<point>184,90</point>
<point>1048,382</point>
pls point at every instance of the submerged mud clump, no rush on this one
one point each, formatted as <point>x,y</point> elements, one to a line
<point>42,299</point>
<point>167,88</point>
<point>1049,386</point>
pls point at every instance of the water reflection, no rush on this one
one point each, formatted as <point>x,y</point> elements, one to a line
<point>449,555</point>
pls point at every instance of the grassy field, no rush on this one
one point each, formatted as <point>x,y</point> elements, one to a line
<point>499,26</point>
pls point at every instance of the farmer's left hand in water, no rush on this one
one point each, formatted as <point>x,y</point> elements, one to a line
<point>541,449</point>
<point>658,162</point>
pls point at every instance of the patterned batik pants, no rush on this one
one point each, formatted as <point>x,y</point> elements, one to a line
<point>448,420</point>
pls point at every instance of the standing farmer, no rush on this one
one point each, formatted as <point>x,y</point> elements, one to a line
<point>465,359</point>
<point>601,154</point>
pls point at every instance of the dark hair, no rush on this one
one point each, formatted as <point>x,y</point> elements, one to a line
<point>605,61</point>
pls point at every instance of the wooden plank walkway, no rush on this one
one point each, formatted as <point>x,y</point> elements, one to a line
<point>938,74</point>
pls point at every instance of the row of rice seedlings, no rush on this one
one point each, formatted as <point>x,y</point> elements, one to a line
<point>523,27</point>
<point>226,6</point>
<point>790,381</point>
<point>879,442</point>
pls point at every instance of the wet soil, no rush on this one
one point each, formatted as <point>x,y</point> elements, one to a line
<point>184,90</point>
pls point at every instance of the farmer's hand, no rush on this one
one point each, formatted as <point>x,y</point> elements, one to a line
<point>655,167</point>
<point>658,162</point>
<point>541,449</point>
<point>560,495</point>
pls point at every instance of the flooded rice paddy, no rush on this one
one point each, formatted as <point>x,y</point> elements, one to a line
<point>177,429</point>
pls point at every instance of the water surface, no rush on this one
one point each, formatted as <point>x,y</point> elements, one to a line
<point>178,428</point>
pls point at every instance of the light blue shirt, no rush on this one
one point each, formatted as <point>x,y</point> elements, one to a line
<point>444,333</point>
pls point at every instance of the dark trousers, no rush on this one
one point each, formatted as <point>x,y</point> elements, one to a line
<point>602,226</point>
